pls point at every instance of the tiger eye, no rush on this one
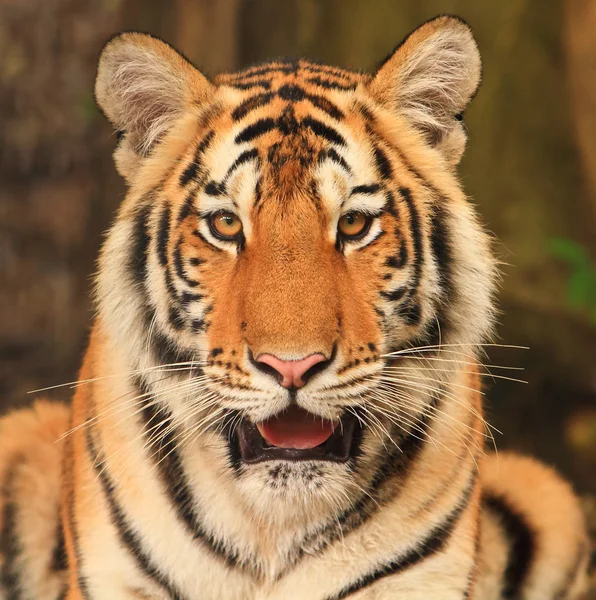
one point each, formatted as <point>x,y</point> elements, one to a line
<point>226,225</point>
<point>353,224</point>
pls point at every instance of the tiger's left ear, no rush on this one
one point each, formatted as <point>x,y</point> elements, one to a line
<point>430,79</point>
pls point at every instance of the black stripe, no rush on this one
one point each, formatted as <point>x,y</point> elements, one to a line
<point>258,192</point>
<point>198,325</point>
<point>251,84</point>
<point>137,257</point>
<point>176,319</point>
<point>398,261</point>
<point>390,205</point>
<point>291,93</point>
<point>187,298</point>
<point>229,431</point>
<point>326,106</point>
<point>190,173</point>
<point>164,452</point>
<point>72,523</point>
<point>213,188</point>
<point>179,266</point>
<point>522,544</point>
<point>252,103</point>
<point>411,312</point>
<point>163,236</point>
<point>336,158</point>
<point>59,560</point>
<point>432,544</point>
<point>268,68</point>
<point>443,255</point>
<point>244,157</point>
<point>10,545</point>
<point>128,537</point>
<point>188,208</point>
<point>371,188</point>
<point>198,234</point>
<point>287,122</point>
<point>383,164</point>
<point>167,351</point>
<point>331,85</point>
<point>328,70</point>
<point>294,93</point>
<point>256,129</point>
<point>441,246</point>
<point>170,287</point>
<point>395,295</point>
<point>319,128</point>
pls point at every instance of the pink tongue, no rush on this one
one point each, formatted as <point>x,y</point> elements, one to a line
<point>296,428</point>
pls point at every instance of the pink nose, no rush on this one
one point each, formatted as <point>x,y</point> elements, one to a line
<point>291,371</point>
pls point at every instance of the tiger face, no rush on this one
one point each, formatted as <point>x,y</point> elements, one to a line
<point>292,232</point>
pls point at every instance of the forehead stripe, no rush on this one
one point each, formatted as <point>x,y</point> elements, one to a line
<point>252,84</point>
<point>319,128</point>
<point>251,104</point>
<point>326,106</point>
<point>245,157</point>
<point>260,127</point>
<point>289,93</point>
<point>263,126</point>
<point>329,71</point>
<point>266,69</point>
<point>331,85</point>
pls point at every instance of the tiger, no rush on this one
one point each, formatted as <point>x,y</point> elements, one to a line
<point>281,397</point>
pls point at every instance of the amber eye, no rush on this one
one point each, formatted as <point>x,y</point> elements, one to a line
<point>353,225</point>
<point>225,225</point>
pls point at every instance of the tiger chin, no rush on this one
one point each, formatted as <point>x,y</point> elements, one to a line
<point>281,396</point>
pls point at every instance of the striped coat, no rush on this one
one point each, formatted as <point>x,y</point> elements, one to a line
<point>281,398</point>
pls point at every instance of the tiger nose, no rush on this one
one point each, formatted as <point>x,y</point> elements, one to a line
<point>293,373</point>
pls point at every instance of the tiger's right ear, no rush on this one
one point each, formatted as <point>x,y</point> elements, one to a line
<point>143,86</point>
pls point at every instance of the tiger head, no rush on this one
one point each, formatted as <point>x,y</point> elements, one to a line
<point>291,232</point>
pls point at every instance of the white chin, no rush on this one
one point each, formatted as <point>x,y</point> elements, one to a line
<point>289,490</point>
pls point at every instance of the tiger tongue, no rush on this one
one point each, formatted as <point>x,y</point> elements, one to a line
<point>296,428</point>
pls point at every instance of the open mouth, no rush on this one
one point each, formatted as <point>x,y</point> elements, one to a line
<point>296,434</point>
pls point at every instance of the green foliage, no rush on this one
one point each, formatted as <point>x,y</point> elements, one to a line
<point>581,286</point>
<point>88,107</point>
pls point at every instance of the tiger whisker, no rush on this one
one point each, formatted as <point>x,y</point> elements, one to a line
<point>126,375</point>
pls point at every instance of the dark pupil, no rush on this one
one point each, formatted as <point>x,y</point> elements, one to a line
<point>351,219</point>
<point>229,220</point>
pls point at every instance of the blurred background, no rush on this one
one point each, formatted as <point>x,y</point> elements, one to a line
<point>530,167</point>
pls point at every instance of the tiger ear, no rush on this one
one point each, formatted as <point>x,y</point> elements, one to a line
<point>430,79</point>
<point>143,86</point>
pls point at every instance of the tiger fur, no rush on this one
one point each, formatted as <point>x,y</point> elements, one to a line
<point>154,483</point>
